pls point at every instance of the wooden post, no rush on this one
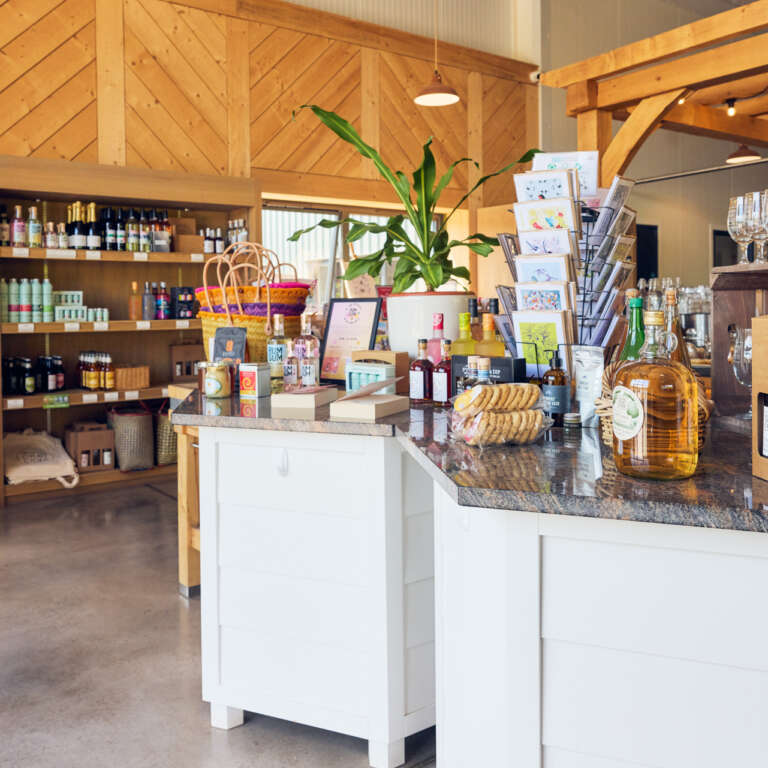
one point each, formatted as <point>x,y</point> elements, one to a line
<point>238,99</point>
<point>475,151</point>
<point>110,82</point>
<point>371,101</point>
<point>189,510</point>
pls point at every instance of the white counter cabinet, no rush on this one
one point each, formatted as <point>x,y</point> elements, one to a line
<point>317,583</point>
<point>570,642</point>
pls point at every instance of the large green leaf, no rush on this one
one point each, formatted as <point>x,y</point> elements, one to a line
<point>423,183</point>
<point>325,223</point>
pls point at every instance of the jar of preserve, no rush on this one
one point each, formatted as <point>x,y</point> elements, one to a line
<point>216,379</point>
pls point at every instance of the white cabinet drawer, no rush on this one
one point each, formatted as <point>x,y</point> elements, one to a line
<point>309,472</point>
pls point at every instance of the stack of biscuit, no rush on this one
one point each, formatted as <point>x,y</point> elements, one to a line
<point>501,413</point>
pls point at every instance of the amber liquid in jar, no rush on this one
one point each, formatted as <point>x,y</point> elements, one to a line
<point>655,412</point>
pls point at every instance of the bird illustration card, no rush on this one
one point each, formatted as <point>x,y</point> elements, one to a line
<point>544,268</point>
<point>543,185</point>
<point>547,241</point>
<point>542,215</point>
<point>551,296</point>
<point>585,162</point>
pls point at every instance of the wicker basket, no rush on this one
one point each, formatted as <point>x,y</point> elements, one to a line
<point>134,439</point>
<point>604,407</point>
<point>256,333</point>
<point>165,441</point>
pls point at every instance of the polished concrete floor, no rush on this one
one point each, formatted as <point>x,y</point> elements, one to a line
<point>100,657</point>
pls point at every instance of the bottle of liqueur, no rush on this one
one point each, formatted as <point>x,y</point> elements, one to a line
<point>132,231</point>
<point>442,382</point>
<point>77,235</point>
<point>434,344</point>
<point>145,233</point>
<point>291,375</point>
<point>476,328</point>
<point>483,372</point>
<point>635,332</point>
<point>675,340</point>
<point>218,243</point>
<point>62,235</point>
<point>556,390</point>
<point>110,229</point>
<point>148,305</point>
<point>134,302</point>
<point>34,229</point>
<point>655,411</point>
<point>489,346</point>
<point>69,226</point>
<point>50,236</point>
<point>120,236</point>
<point>18,228</point>
<point>92,232</point>
<point>420,390</point>
<point>277,353</point>
<point>162,303</point>
<point>5,227</point>
<point>465,344</point>
<point>469,379</point>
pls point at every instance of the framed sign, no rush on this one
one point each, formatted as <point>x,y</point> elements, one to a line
<point>351,325</point>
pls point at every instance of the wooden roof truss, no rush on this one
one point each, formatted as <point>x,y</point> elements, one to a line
<point>681,80</point>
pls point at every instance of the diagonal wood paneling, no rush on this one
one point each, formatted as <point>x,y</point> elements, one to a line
<point>288,69</point>
<point>175,88</point>
<point>405,126</point>
<point>47,77</point>
<point>504,135</point>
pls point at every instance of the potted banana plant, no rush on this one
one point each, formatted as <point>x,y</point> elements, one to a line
<point>423,264</point>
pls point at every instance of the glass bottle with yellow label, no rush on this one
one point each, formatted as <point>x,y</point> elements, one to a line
<point>489,346</point>
<point>465,344</point>
<point>655,411</point>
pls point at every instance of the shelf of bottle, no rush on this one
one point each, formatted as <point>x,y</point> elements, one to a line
<point>69,254</point>
<point>78,326</point>
<point>89,479</point>
<point>82,397</point>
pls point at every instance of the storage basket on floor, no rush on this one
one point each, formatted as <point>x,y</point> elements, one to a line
<point>134,439</point>
<point>165,439</point>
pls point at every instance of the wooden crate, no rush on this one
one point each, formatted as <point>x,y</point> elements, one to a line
<point>90,438</point>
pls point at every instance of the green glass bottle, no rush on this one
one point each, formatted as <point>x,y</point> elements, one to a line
<point>636,333</point>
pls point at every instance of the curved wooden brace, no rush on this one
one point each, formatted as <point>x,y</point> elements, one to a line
<point>644,119</point>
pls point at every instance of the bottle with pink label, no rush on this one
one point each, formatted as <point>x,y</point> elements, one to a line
<point>433,345</point>
<point>18,228</point>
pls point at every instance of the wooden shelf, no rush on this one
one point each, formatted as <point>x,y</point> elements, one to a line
<point>739,277</point>
<point>110,326</point>
<point>84,397</point>
<point>139,257</point>
<point>88,481</point>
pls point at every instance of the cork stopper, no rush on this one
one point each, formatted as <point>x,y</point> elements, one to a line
<point>631,293</point>
<point>670,296</point>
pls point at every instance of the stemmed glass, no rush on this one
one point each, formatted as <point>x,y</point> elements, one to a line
<point>737,227</point>
<point>757,222</point>
<point>742,362</point>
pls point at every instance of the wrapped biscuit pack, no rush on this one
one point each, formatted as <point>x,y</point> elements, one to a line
<point>500,413</point>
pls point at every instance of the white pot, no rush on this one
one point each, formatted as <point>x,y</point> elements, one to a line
<point>409,317</point>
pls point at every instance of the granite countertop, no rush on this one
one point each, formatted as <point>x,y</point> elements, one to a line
<point>566,473</point>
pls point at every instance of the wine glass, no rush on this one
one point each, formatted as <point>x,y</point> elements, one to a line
<point>737,227</point>
<point>742,363</point>
<point>757,222</point>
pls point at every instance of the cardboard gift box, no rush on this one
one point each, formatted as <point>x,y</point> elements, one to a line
<point>91,445</point>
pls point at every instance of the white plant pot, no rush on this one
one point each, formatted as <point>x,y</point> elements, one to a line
<point>409,317</point>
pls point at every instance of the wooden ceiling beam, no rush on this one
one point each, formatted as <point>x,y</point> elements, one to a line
<point>715,123</point>
<point>728,62</point>
<point>313,22</point>
<point>744,20</point>
<point>743,88</point>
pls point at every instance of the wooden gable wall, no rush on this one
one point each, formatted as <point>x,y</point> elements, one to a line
<point>210,86</point>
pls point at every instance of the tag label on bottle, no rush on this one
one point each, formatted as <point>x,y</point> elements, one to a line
<point>90,397</point>
<point>111,396</point>
<point>132,394</point>
<point>139,256</point>
<point>71,327</point>
<point>60,253</point>
<point>628,413</point>
<point>20,253</point>
<point>275,353</point>
<point>416,391</point>
<point>182,323</point>
<point>93,255</point>
<point>196,257</point>
<point>557,398</point>
<point>25,327</point>
<point>440,386</point>
<point>143,325</point>
<point>101,326</point>
<point>16,402</point>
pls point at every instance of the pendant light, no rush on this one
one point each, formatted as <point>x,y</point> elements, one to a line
<point>742,155</point>
<point>437,93</point>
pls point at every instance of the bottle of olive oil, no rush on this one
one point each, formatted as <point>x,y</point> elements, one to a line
<point>655,411</point>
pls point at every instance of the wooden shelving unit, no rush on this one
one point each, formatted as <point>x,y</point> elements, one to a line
<point>105,278</point>
<point>107,326</point>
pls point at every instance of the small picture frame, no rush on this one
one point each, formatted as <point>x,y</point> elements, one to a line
<point>351,326</point>
<point>543,268</point>
<point>542,215</point>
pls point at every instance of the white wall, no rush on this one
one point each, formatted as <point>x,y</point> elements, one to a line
<point>504,27</point>
<point>684,210</point>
